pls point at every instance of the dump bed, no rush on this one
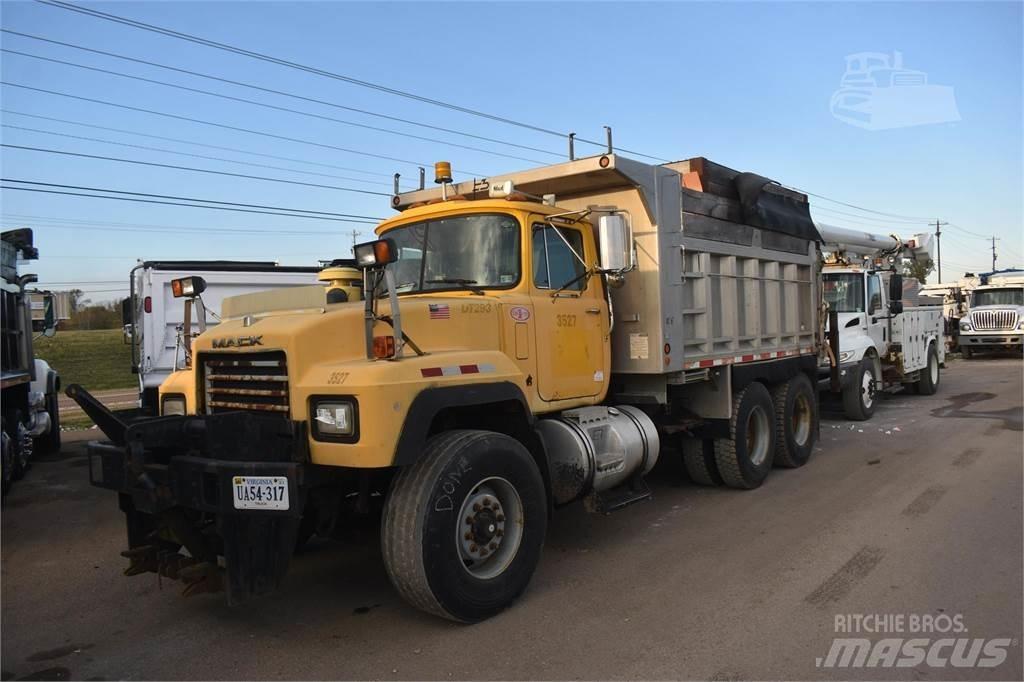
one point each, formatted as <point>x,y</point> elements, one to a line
<point>727,264</point>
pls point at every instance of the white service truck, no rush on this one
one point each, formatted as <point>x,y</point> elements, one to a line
<point>996,317</point>
<point>883,345</point>
<point>154,317</point>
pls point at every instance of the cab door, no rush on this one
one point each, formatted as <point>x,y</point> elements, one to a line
<point>876,314</point>
<point>571,313</point>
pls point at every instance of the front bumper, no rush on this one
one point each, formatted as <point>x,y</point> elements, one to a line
<point>174,476</point>
<point>990,340</point>
<point>846,375</point>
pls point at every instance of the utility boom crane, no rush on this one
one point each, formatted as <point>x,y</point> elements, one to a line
<point>882,345</point>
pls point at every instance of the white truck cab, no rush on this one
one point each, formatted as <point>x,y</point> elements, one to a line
<point>996,317</point>
<point>882,344</point>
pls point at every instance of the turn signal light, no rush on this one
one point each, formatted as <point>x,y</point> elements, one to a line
<point>383,347</point>
<point>375,254</point>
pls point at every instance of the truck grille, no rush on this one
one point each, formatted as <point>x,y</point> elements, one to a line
<point>994,320</point>
<point>256,382</point>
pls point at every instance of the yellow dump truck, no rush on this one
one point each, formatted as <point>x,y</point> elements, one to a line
<point>525,342</point>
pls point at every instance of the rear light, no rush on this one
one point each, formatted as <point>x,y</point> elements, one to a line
<point>147,304</point>
<point>383,347</point>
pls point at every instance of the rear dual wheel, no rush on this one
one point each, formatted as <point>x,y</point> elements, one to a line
<point>463,527</point>
<point>745,457</point>
<point>796,421</point>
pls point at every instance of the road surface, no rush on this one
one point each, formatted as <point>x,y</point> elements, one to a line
<point>915,513</point>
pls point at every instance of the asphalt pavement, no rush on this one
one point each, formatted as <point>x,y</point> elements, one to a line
<point>914,517</point>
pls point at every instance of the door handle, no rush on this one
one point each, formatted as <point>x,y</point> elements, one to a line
<point>593,311</point>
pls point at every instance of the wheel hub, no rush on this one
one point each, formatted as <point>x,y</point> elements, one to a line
<point>484,523</point>
<point>490,528</point>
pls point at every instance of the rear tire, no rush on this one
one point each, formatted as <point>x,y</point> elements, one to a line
<point>745,458</point>
<point>796,421</point>
<point>699,461</point>
<point>928,383</point>
<point>447,546</point>
<point>859,395</point>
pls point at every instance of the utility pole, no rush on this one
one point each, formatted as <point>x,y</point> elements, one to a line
<point>994,240</point>
<point>938,247</point>
<point>355,239</point>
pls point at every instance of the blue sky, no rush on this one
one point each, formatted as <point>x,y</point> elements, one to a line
<point>747,85</point>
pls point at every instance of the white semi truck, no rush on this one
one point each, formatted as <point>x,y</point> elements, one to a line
<point>996,317</point>
<point>883,345</point>
<point>153,317</point>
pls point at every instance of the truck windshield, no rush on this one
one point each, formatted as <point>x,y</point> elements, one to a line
<point>464,252</point>
<point>998,297</point>
<point>844,292</point>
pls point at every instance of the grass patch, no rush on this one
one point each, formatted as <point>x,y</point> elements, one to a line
<point>97,359</point>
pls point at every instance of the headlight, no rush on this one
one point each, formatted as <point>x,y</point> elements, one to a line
<point>965,326</point>
<point>171,404</point>
<point>846,355</point>
<point>1020,325</point>
<point>334,419</point>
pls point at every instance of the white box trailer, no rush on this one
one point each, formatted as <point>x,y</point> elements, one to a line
<point>154,317</point>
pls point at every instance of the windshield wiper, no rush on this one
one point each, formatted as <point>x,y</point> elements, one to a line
<point>465,283</point>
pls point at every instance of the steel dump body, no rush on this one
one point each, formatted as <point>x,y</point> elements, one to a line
<point>709,289</point>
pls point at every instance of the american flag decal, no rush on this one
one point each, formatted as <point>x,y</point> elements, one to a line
<point>439,311</point>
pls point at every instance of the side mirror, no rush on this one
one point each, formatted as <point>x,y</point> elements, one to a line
<point>615,243</point>
<point>896,307</point>
<point>49,317</point>
<point>895,287</point>
<point>126,312</point>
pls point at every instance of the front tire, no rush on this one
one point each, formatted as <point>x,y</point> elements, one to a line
<point>928,383</point>
<point>463,527</point>
<point>796,421</point>
<point>51,441</point>
<point>966,352</point>
<point>745,458</point>
<point>859,395</point>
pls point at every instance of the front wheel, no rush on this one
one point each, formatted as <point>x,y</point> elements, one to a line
<point>463,527</point>
<point>859,394</point>
<point>966,352</point>
<point>51,441</point>
<point>928,383</point>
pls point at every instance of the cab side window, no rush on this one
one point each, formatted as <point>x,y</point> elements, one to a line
<point>874,294</point>
<point>554,264</point>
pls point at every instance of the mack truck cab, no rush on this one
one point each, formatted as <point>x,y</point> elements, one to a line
<point>996,317</point>
<point>882,344</point>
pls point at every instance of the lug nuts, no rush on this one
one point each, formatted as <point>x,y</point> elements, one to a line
<point>468,536</point>
<point>483,552</point>
<point>473,548</point>
<point>477,507</point>
<point>487,503</point>
<point>493,546</point>
<point>469,520</point>
<point>501,517</point>
<point>499,532</point>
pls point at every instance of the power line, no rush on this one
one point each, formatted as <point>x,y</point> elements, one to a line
<point>973,234</point>
<point>267,106</point>
<point>197,144</point>
<point>884,221</point>
<point>220,205</point>
<point>197,156</point>
<point>222,125</point>
<point>281,92</point>
<point>319,72</point>
<point>193,170</point>
<point>171,230</point>
<point>843,203</point>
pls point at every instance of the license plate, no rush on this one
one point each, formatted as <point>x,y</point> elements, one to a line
<point>260,492</point>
